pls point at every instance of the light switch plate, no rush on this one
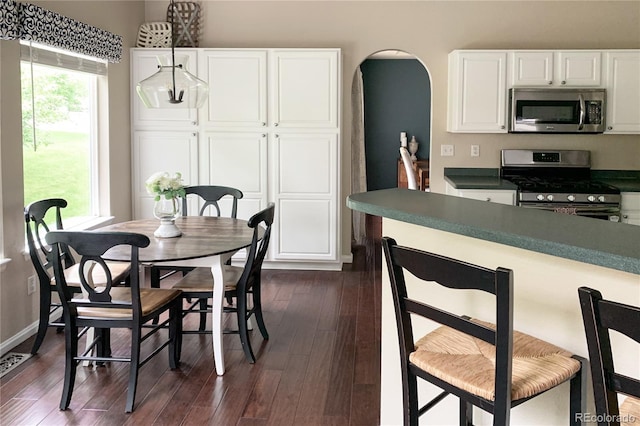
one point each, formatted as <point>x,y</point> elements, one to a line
<point>446,150</point>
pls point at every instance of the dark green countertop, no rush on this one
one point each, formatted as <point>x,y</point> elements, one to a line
<point>624,180</point>
<point>598,242</point>
<point>462,178</point>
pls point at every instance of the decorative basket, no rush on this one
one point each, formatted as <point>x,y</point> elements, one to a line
<point>154,34</point>
<point>185,16</point>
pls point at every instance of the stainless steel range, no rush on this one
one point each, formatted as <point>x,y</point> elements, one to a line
<point>559,181</point>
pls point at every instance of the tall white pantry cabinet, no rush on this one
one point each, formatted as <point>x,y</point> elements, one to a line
<point>270,127</point>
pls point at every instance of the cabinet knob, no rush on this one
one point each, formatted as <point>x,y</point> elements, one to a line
<point>609,128</point>
<point>503,127</point>
<point>275,124</point>
<point>563,82</point>
<point>264,124</point>
<point>194,123</point>
<point>264,135</point>
<point>550,82</point>
<point>488,199</point>
<point>625,216</point>
<point>277,136</point>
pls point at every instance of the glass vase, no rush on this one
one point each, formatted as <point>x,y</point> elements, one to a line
<point>167,210</point>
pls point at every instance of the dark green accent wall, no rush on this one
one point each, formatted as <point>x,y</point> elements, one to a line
<point>397,98</point>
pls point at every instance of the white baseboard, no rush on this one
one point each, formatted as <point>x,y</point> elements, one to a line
<point>18,338</point>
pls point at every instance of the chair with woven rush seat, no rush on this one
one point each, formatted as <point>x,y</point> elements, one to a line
<point>36,228</point>
<point>105,306</point>
<point>239,283</point>
<point>600,316</point>
<point>486,365</point>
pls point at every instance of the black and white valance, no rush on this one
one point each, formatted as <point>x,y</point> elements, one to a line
<point>26,21</point>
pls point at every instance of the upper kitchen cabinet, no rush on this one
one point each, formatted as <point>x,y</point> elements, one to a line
<point>237,87</point>
<point>145,63</point>
<point>561,68</point>
<point>304,88</point>
<point>623,91</point>
<point>477,91</point>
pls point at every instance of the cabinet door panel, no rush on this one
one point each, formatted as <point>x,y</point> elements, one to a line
<point>579,68</point>
<point>305,88</point>
<point>239,160</point>
<point>237,87</point>
<point>305,164</point>
<point>304,229</point>
<point>145,64</point>
<point>532,68</point>
<point>477,92</point>
<point>623,92</point>
<point>161,152</point>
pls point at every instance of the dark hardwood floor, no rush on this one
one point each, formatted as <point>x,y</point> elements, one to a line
<point>320,366</point>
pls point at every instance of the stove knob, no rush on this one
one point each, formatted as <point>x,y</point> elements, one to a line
<point>550,197</point>
<point>539,197</point>
<point>601,198</point>
<point>571,197</point>
<point>591,198</point>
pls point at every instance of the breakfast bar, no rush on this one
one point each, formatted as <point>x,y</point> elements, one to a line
<point>551,255</point>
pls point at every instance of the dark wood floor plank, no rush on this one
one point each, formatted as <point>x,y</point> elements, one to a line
<point>320,366</point>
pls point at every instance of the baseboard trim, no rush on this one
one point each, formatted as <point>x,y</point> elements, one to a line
<point>16,339</point>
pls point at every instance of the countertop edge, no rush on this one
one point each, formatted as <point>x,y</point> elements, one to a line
<point>581,254</point>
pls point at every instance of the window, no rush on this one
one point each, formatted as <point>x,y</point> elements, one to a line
<point>59,128</point>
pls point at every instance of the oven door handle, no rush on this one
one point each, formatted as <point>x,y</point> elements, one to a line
<point>582,112</point>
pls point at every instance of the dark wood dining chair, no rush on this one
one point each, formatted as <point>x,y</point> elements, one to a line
<point>36,216</point>
<point>599,316</point>
<point>106,306</point>
<point>484,364</point>
<point>239,285</point>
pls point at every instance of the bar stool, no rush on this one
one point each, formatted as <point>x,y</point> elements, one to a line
<point>600,316</point>
<point>486,365</point>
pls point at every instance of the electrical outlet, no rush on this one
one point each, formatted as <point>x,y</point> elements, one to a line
<point>475,150</point>
<point>31,285</point>
<point>446,150</point>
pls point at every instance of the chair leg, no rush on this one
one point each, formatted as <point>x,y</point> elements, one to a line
<point>466,413</point>
<point>43,325</point>
<point>410,399</point>
<point>154,277</point>
<point>133,368</point>
<point>257,310</point>
<point>175,334</point>
<point>203,315</point>
<point>70,364</point>
<point>577,393</point>
<point>243,330</point>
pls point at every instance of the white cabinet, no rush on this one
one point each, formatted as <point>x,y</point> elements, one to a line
<point>623,91</point>
<point>571,68</point>
<point>166,151</point>
<point>270,128</point>
<point>630,208</point>
<point>477,91</point>
<point>305,190</point>
<point>500,196</point>
<point>237,87</point>
<point>304,89</point>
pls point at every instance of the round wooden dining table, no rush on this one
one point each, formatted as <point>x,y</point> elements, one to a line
<point>205,242</point>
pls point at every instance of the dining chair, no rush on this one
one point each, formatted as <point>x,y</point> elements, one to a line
<point>208,197</point>
<point>599,316</point>
<point>408,167</point>
<point>105,306</point>
<point>36,216</point>
<point>485,364</point>
<point>240,283</point>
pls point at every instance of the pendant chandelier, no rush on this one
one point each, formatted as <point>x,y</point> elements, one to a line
<point>172,85</point>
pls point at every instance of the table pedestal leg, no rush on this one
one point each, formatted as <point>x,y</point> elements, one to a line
<point>216,314</point>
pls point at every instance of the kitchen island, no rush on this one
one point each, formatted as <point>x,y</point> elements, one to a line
<point>551,256</point>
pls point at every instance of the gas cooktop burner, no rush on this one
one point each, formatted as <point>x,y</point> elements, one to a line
<point>536,184</point>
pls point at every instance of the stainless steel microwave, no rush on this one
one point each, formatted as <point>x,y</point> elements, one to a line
<point>557,110</point>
